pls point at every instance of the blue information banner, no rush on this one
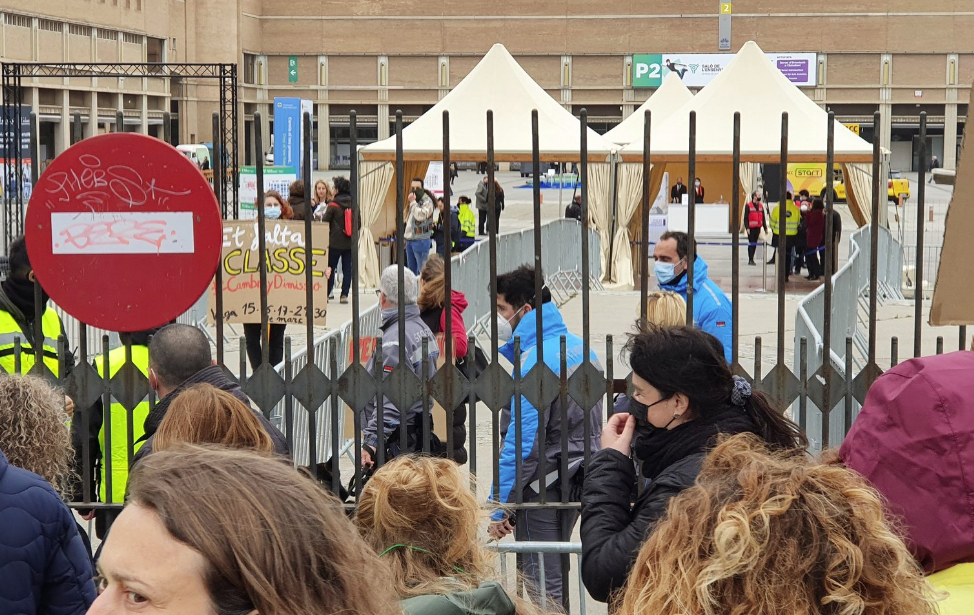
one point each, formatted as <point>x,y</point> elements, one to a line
<point>287,132</point>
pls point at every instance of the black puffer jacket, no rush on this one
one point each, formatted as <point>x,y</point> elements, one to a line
<point>212,375</point>
<point>335,217</point>
<point>613,530</point>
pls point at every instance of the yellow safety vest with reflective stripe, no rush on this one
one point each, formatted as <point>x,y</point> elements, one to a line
<point>10,332</point>
<point>118,416</point>
<point>791,225</point>
<point>468,222</point>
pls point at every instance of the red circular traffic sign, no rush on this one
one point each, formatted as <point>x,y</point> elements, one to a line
<point>123,232</point>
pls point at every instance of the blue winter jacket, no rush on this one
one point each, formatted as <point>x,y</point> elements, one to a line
<point>711,307</point>
<point>553,329</point>
<point>44,566</point>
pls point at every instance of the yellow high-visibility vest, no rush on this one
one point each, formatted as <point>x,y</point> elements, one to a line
<point>791,225</point>
<point>10,332</point>
<point>119,425</point>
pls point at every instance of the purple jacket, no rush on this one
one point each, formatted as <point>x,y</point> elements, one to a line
<point>914,441</point>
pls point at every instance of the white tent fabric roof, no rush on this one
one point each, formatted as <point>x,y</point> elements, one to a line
<point>670,96</point>
<point>754,86</point>
<point>497,83</point>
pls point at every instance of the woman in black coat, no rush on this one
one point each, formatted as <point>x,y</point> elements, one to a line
<point>685,396</point>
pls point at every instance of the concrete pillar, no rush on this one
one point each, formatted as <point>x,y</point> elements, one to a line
<point>383,119</point>
<point>62,136</point>
<point>324,137</point>
<point>265,129</point>
<point>885,129</point>
<point>91,129</point>
<point>145,115</point>
<point>950,132</point>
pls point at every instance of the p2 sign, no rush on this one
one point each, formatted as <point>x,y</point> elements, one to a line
<point>647,70</point>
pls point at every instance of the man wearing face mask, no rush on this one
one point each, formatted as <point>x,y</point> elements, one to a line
<point>679,409</point>
<point>518,311</point>
<point>18,314</point>
<point>419,226</point>
<point>711,307</point>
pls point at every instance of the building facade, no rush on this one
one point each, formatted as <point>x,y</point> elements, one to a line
<point>377,57</point>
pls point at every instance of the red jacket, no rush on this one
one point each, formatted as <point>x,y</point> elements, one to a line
<point>435,319</point>
<point>914,441</point>
<point>459,328</point>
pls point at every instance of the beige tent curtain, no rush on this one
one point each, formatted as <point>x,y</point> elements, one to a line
<point>600,205</point>
<point>635,222</point>
<point>859,190</point>
<point>376,179</point>
<point>630,196</point>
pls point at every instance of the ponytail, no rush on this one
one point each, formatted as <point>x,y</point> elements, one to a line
<point>773,426</point>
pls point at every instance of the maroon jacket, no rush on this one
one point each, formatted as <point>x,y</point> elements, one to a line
<point>914,440</point>
<point>815,225</point>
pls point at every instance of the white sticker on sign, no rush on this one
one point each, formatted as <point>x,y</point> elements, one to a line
<point>122,233</point>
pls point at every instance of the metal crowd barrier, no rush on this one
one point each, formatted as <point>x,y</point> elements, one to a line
<point>849,323</point>
<point>504,549</point>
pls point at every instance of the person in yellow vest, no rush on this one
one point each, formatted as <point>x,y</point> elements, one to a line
<point>18,313</point>
<point>793,218</point>
<point>96,471</point>
<point>468,224</point>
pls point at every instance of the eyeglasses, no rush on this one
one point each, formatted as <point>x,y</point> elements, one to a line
<point>378,292</point>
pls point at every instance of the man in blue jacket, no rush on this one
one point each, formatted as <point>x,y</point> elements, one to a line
<point>711,307</point>
<point>44,566</point>
<point>518,311</point>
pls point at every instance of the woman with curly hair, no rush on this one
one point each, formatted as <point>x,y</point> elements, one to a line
<point>45,566</point>
<point>420,515</point>
<point>765,532</point>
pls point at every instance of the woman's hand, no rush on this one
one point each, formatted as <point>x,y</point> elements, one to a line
<point>618,432</point>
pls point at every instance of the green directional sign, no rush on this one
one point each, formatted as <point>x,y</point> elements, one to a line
<point>647,70</point>
<point>292,69</point>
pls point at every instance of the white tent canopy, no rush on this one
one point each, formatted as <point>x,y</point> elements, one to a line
<point>755,87</point>
<point>497,83</point>
<point>669,97</point>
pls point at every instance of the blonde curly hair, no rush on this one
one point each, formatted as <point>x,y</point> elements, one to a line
<point>33,434</point>
<point>420,514</point>
<point>772,532</point>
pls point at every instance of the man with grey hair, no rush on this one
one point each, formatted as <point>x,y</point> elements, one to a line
<point>388,434</point>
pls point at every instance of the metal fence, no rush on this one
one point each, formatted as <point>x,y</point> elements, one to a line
<point>849,345</point>
<point>309,392</point>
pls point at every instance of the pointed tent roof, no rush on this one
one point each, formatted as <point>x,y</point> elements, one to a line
<point>669,97</point>
<point>500,84</point>
<point>754,86</point>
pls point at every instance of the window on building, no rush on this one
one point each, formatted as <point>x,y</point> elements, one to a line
<point>249,66</point>
<point>107,35</point>
<point>79,30</point>
<point>153,49</point>
<point>49,25</point>
<point>133,39</point>
<point>21,21</point>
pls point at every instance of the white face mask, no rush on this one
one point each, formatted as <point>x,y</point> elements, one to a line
<point>505,330</point>
<point>272,212</point>
<point>696,183</point>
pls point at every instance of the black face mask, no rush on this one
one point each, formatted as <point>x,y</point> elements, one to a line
<point>640,412</point>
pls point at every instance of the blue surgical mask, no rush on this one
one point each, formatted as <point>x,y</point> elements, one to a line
<point>665,272</point>
<point>272,213</point>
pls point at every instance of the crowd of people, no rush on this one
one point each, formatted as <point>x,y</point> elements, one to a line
<point>696,494</point>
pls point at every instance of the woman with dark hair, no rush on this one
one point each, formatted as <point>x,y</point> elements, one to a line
<point>275,208</point>
<point>685,397</point>
<point>295,198</point>
<point>340,239</point>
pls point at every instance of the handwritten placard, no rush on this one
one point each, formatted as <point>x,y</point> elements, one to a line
<point>287,261</point>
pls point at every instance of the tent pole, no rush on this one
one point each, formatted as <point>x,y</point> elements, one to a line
<point>614,204</point>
